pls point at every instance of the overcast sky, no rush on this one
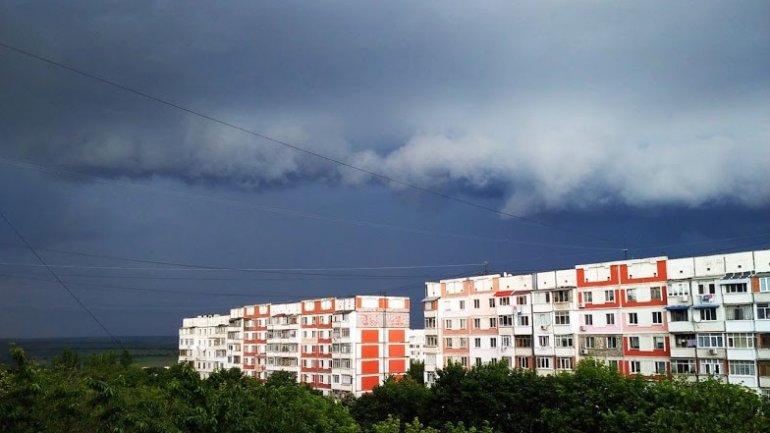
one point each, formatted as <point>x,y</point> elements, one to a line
<point>595,126</point>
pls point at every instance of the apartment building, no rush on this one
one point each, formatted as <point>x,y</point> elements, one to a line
<point>202,342</point>
<point>416,349</point>
<point>655,317</point>
<point>336,345</point>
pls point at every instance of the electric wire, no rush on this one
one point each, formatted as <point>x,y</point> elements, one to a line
<point>61,282</point>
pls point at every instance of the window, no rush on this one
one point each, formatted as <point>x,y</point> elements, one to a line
<point>464,361</point>
<point>633,342</point>
<point>660,367</point>
<point>431,340</point>
<point>656,294</point>
<point>506,341</point>
<point>521,300</point>
<point>588,319</point>
<point>523,341</point>
<point>685,340</point>
<point>477,362</point>
<point>544,341</point>
<point>633,318</point>
<point>544,319</point>
<point>477,323</point>
<point>561,296</point>
<point>636,366</point>
<point>711,289</point>
<point>589,342</point>
<point>507,360</point>
<point>448,324</point>
<point>462,304</point>
<point>493,322</point>
<point>613,364</point>
<point>710,366</point>
<point>740,312</point>
<point>543,362</point>
<point>740,341</point>
<point>522,361</point>
<point>659,342</point>
<point>505,301</point>
<point>612,342</point>
<point>492,302</point>
<point>764,284</point>
<point>430,322</point>
<point>657,317</point>
<point>562,318</point>
<point>678,289</point>
<point>493,342</point>
<point>710,340</point>
<point>763,311</point>
<point>679,316</point>
<point>588,297</point>
<point>563,341</point>
<point>523,320</point>
<point>609,295</point>
<point>463,342</point>
<point>505,320</point>
<point>476,303</point>
<point>683,366</point>
<point>448,343</point>
<point>708,314</point>
<point>564,363</point>
<point>610,318</point>
<point>735,288</point>
<point>477,342</point>
<point>631,295</point>
<point>463,323</point>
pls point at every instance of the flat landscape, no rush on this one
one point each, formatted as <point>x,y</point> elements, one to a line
<point>147,351</point>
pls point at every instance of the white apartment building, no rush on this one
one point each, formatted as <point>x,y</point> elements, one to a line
<point>336,345</point>
<point>202,342</point>
<point>655,317</point>
<point>416,340</point>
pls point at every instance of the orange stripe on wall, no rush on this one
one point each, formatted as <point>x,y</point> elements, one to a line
<point>370,351</point>
<point>396,350</point>
<point>370,367</point>
<point>369,382</point>
<point>396,366</point>
<point>397,336</point>
<point>370,336</point>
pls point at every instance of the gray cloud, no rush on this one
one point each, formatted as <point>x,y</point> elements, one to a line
<point>547,106</point>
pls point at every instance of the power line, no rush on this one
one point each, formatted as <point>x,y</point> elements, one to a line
<point>221,269</point>
<point>61,283</point>
<point>293,147</point>
<point>292,212</point>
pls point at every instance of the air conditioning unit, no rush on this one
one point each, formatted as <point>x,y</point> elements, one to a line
<point>584,351</point>
<point>684,298</point>
<point>712,351</point>
<point>582,328</point>
<point>543,327</point>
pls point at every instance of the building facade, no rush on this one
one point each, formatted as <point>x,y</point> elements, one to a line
<point>655,317</point>
<point>336,345</point>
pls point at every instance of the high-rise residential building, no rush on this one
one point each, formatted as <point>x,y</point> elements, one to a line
<point>692,317</point>
<point>416,349</point>
<point>336,345</point>
<point>202,342</point>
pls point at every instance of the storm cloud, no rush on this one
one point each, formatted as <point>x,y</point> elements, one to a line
<point>550,105</point>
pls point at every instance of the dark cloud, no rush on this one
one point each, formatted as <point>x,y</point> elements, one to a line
<point>638,122</point>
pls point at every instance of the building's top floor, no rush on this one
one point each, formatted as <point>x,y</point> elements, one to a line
<point>327,306</point>
<point>650,270</point>
<point>206,321</point>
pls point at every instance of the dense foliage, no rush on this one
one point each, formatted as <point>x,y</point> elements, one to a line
<point>108,393</point>
<point>594,398</point>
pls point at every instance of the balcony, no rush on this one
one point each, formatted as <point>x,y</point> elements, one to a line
<point>737,298</point>
<point>677,327</point>
<point>739,326</point>
<point>683,352</point>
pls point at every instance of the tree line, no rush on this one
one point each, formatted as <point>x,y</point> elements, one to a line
<point>109,393</point>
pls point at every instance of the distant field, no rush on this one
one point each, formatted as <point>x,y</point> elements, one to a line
<point>147,351</point>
